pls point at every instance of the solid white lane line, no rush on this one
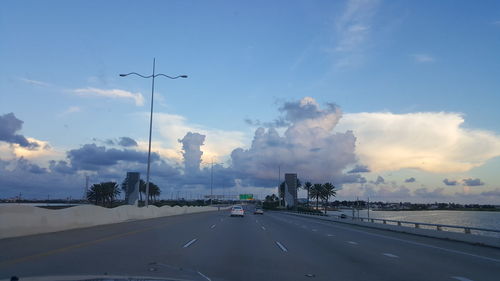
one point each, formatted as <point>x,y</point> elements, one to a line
<point>213,226</point>
<point>189,243</point>
<point>390,255</point>
<point>460,278</point>
<point>281,246</point>
<point>204,276</point>
<point>352,242</point>
<point>263,228</point>
<point>408,241</point>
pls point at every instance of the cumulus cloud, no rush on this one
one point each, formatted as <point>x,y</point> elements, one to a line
<point>309,146</point>
<point>9,125</point>
<point>450,182</point>
<point>430,141</point>
<point>191,144</point>
<point>170,128</point>
<point>138,98</point>
<point>412,179</point>
<point>359,169</point>
<point>472,182</point>
<point>127,142</point>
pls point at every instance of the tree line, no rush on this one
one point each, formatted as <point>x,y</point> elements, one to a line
<point>315,191</point>
<point>106,193</point>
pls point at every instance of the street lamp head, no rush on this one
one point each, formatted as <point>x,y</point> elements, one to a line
<point>183,76</point>
<point>123,75</point>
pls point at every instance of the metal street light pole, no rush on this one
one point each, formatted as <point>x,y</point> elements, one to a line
<point>211,181</point>
<point>151,117</point>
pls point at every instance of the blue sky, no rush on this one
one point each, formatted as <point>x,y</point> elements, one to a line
<point>409,60</point>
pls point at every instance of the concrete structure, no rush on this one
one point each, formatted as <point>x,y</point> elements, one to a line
<point>132,193</point>
<point>290,190</point>
<point>20,220</point>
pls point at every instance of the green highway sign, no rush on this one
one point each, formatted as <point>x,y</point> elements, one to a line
<point>246,196</point>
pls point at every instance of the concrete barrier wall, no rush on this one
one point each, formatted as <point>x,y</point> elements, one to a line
<point>20,220</point>
<point>468,238</point>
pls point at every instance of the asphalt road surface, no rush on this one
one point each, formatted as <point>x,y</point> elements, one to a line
<point>273,246</point>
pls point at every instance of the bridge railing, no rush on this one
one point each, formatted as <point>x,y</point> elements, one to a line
<point>438,227</point>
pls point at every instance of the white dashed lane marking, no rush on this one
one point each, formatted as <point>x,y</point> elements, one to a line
<point>213,226</point>
<point>330,235</point>
<point>352,242</point>
<point>390,255</point>
<point>189,243</point>
<point>281,247</point>
<point>314,230</point>
<point>263,228</point>
<point>460,278</point>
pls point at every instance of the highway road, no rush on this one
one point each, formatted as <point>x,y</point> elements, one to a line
<point>273,246</point>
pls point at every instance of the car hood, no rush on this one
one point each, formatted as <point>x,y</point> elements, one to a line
<point>96,278</point>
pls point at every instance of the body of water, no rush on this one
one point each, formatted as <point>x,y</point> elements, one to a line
<point>490,220</point>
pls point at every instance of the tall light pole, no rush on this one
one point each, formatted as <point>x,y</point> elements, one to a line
<point>151,116</point>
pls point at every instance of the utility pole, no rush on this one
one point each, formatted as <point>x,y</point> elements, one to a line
<point>368,207</point>
<point>279,185</point>
<point>211,181</point>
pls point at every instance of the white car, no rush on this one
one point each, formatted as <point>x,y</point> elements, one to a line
<point>237,211</point>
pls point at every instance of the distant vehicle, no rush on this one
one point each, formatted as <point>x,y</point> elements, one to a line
<point>237,211</point>
<point>258,211</point>
<point>343,216</point>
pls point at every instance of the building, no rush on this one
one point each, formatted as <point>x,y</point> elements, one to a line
<point>290,190</point>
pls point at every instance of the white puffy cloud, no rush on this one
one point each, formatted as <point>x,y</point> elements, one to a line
<point>309,146</point>
<point>430,141</point>
<point>170,128</point>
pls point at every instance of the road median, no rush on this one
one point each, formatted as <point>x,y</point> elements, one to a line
<point>21,220</point>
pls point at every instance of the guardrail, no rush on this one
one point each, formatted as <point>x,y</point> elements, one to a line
<point>438,227</point>
<point>313,213</point>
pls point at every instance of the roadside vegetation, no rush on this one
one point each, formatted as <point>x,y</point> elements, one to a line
<point>317,192</point>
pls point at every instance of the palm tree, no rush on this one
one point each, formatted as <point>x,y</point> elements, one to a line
<point>307,186</point>
<point>316,192</point>
<point>154,191</point>
<point>104,192</point>
<point>328,191</point>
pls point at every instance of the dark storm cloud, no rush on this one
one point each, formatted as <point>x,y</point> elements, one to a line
<point>359,169</point>
<point>26,165</point>
<point>412,179</point>
<point>450,182</point>
<point>379,180</point>
<point>9,125</point>
<point>61,167</point>
<point>93,157</point>
<point>472,182</point>
<point>127,142</point>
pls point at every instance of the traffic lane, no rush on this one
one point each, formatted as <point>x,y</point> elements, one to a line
<point>240,249</point>
<point>485,251</point>
<point>332,259</point>
<point>415,257</point>
<point>134,254</point>
<point>16,247</point>
<point>491,252</point>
